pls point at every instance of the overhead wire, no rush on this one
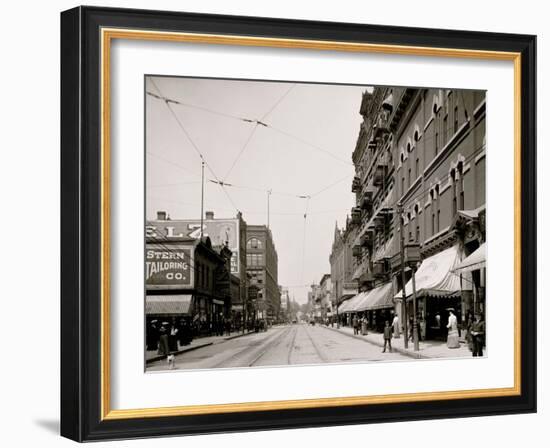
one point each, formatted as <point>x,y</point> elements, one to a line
<point>182,127</point>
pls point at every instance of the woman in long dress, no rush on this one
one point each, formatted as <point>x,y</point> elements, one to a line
<point>395,325</point>
<point>452,335</point>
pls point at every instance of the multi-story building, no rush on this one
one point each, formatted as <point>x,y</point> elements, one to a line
<point>262,267</point>
<point>343,264</point>
<point>324,296</point>
<point>229,232</point>
<point>188,278</point>
<point>284,312</point>
<point>420,178</point>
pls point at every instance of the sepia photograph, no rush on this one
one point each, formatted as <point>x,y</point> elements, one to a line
<point>291,223</point>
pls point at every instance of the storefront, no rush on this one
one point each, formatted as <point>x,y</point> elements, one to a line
<point>439,289</point>
<point>377,305</point>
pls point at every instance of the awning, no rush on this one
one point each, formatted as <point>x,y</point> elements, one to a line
<point>472,262</point>
<point>471,214</point>
<point>168,304</point>
<point>217,302</point>
<point>377,298</point>
<point>435,278</point>
<point>349,306</point>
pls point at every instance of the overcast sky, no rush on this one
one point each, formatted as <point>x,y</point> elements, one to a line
<point>290,158</point>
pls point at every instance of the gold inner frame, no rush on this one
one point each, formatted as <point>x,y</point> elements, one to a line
<point>107,35</point>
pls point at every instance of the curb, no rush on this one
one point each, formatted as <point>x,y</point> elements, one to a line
<point>239,335</point>
<point>179,352</point>
<point>379,344</point>
<point>195,347</point>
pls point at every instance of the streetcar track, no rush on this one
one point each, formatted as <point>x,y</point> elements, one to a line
<point>247,348</point>
<point>319,355</point>
<point>270,345</point>
<point>291,348</point>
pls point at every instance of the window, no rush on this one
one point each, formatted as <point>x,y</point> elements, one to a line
<point>403,185</point>
<point>455,126</point>
<point>417,234</point>
<point>409,177</point>
<point>254,259</point>
<point>436,143</point>
<point>445,120</point>
<point>254,243</point>
<point>417,167</point>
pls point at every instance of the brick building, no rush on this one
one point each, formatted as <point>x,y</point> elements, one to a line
<point>262,268</point>
<point>425,150</point>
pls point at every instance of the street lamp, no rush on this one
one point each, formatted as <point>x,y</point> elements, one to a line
<point>412,258</point>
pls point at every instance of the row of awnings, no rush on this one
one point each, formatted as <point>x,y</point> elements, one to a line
<point>440,275</point>
<point>377,298</point>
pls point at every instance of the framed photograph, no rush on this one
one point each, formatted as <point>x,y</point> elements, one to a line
<point>272,223</point>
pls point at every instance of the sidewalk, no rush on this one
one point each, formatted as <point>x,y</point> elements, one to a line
<point>428,349</point>
<point>152,355</point>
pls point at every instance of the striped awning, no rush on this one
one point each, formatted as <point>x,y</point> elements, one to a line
<point>435,276</point>
<point>473,262</point>
<point>377,298</point>
<point>168,304</point>
<point>349,306</point>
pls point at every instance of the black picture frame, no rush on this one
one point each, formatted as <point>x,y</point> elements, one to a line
<point>81,208</point>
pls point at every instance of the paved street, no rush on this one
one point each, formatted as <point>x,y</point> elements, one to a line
<point>282,345</point>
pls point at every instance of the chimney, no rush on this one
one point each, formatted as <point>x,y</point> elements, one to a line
<point>161,215</point>
<point>209,215</point>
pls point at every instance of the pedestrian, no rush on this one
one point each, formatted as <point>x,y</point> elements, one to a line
<point>173,336</point>
<point>364,326</point>
<point>163,349</point>
<point>152,336</point>
<point>469,325</point>
<point>387,336</point>
<point>411,328</point>
<point>478,335</point>
<point>395,325</point>
<point>355,323</point>
<point>452,327</point>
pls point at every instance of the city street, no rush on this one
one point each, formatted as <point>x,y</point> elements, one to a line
<point>282,345</point>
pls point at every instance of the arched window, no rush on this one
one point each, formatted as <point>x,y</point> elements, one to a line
<point>416,135</point>
<point>254,243</point>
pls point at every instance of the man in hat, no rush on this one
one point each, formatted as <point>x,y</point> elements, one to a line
<point>478,335</point>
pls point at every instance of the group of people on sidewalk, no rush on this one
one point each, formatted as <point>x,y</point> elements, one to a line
<point>166,336</point>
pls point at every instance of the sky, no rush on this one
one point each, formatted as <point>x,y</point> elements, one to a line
<point>305,150</point>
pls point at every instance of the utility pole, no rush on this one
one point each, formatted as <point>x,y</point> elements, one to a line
<point>403,278</point>
<point>202,195</point>
<point>416,335</point>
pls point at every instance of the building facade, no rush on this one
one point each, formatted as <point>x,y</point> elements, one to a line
<point>343,264</point>
<point>420,179</point>
<point>188,279</point>
<point>229,232</point>
<point>262,267</point>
